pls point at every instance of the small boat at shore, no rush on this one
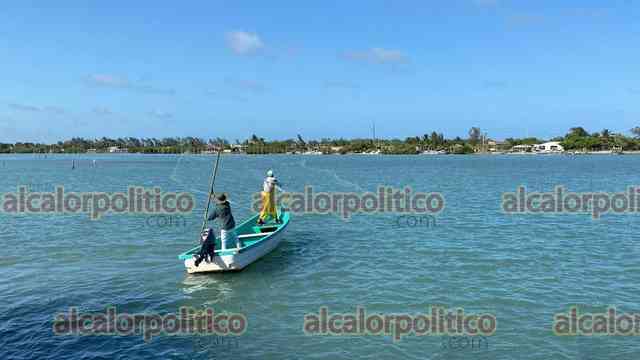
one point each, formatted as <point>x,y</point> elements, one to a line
<point>256,241</point>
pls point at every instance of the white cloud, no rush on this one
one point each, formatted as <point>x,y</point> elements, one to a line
<point>248,85</point>
<point>378,55</point>
<point>244,43</point>
<point>56,110</point>
<point>161,114</point>
<point>23,107</point>
<point>384,56</point>
<point>338,84</point>
<point>525,19</point>
<point>225,96</point>
<point>104,111</point>
<point>108,80</point>
<point>486,3</point>
<point>52,110</point>
<point>122,82</point>
<point>494,84</point>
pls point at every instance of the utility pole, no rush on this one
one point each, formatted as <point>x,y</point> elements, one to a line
<point>374,135</point>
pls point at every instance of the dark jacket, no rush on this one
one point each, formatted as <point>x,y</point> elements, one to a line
<point>207,250</point>
<point>222,212</point>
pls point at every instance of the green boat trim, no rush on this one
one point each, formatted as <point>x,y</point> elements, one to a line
<point>249,234</point>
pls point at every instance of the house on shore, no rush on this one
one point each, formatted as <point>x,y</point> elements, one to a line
<point>548,147</point>
<point>496,145</point>
<point>239,148</point>
<point>522,148</point>
<point>115,149</point>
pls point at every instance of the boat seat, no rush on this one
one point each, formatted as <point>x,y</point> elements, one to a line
<point>264,229</point>
<point>247,236</point>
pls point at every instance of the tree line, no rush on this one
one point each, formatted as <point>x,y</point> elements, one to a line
<point>577,138</point>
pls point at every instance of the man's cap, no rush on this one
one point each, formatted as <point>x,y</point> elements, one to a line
<point>221,197</point>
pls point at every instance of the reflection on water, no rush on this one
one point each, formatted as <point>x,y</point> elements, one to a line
<point>522,268</point>
<point>213,284</point>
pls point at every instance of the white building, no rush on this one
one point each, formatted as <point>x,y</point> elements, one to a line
<point>548,147</point>
<point>239,148</point>
<point>522,148</point>
<point>115,149</point>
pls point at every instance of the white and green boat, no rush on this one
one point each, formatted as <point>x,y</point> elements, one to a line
<point>255,241</point>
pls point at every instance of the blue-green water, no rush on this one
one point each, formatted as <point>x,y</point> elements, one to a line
<point>522,268</point>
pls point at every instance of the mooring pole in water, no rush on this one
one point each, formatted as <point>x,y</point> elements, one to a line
<point>212,183</point>
<point>73,164</point>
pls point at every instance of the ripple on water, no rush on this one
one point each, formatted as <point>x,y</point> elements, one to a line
<point>522,268</point>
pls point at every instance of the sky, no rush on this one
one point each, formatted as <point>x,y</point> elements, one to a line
<point>325,69</point>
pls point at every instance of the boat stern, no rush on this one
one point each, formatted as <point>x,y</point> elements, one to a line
<point>219,263</point>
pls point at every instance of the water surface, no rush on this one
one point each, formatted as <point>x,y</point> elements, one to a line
<point>522,268</point>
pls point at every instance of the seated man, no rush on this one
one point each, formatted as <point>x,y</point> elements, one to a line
<point>207,251</point>
<point>222,212</point>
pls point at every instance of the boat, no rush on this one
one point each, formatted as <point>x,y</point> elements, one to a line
<point>256,241</point>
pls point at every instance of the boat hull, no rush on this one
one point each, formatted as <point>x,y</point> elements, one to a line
<point>237,261</point>
<point>256,241</point>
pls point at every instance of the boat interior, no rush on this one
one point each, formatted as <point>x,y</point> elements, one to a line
<point>249,233</point>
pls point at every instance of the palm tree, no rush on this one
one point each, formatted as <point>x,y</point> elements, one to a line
<point>474,135</point>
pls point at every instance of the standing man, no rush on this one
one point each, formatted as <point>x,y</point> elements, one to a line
<point>222,212</point>
<point>269,199</point>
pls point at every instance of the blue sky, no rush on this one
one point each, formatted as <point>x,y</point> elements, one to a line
<point>328,69</point>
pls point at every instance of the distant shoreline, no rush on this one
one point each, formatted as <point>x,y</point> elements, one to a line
<point>577,141</point>
<point>566,153</point>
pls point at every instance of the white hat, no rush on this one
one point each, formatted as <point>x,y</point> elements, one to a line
<point>270,173</point>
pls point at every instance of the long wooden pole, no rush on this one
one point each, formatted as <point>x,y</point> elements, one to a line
<point>212,184</point>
